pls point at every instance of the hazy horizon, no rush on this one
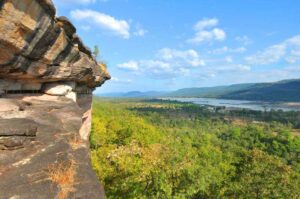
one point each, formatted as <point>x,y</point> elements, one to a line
<point>99,91</point>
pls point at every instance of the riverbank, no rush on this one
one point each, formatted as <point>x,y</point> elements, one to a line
<point>240,104</point>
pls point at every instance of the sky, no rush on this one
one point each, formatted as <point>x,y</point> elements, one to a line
<point>165,45</point>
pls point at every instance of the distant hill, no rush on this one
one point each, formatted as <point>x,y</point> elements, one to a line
<point>208,92</point>
<point>134,94</point>
<point>286,90</point>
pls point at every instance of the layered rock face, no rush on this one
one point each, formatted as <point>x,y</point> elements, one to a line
<point>47,76</point>
<point>37,48</point>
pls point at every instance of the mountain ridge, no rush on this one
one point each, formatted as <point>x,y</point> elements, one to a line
<point>283,90</point>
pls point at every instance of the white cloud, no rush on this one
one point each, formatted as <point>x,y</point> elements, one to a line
<point>118,80</point>
<point>140,32</point>
<point>219,34</point>
<point>168,53</point>
<point>159,69</point>
<point>231,68</point>
<point>222,71</point>
<point>226,49</point>
<point>130,65</point>
<point>267,75</point>
<point>82,2</point>
<point>284,51</point>
<point>270,55</point>
<point>241,67</point>
<point>156,65</point>
<point>104,21</point>
<point>245,40</point>
<point>169,63</point>
<point>206,31</point>
<point>293,57</point>
<point>206,36</point>
<point>293,41</point>
<point>191,57</point>
<point>206,23</point>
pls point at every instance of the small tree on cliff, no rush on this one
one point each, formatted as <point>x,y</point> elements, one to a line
<point>96,51</point>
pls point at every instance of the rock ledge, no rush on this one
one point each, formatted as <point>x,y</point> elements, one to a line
<point>47,76</point>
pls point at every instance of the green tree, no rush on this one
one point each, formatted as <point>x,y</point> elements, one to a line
<point>96,51</point>
<point>260,175</point>
<point>168,150</point>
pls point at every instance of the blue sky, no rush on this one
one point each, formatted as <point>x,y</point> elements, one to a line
<point>170,44</point>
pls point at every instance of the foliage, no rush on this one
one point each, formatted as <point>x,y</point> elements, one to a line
<point>153,149</point>
<point>96,51</point>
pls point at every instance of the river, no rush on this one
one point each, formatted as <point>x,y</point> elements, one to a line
<point>242,104</point>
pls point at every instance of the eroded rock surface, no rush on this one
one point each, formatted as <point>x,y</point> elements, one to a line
<point>37,146</point>
<point>47,76</point>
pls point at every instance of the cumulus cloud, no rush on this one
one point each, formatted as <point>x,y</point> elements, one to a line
<point>206,23</point>
<point>130,65</point>
<point>294,56</point>
<point>169,63</point>
<point>190,57</point>
<point>156,65</point>
<point>231,68</point>
<point>158,69</point>
<point>222,71</point>
<point>206,31</point>
<point>104,21</point>
<point>270,55</point>
<point>121,81</point>
<point>226,49</point>
<point>284,51</point>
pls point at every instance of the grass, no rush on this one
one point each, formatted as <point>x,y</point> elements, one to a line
<point>75,142</point>
<point>63,174</point>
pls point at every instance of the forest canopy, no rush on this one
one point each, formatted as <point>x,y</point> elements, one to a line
<point>157,149</point>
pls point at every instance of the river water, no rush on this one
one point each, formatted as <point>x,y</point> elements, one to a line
<point>242,104</point>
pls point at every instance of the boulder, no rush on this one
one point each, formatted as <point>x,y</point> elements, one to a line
<point>72,96</point>
<point>18,127</point>
<point>59,89</point>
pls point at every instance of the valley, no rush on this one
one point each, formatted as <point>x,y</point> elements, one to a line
<point>145,148</point>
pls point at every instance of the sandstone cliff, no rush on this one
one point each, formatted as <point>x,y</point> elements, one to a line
<point>47,76</point>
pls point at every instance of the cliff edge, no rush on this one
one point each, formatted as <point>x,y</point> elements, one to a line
<point>47,76</point>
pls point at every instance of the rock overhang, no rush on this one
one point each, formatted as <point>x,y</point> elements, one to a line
<point>36,47</point>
